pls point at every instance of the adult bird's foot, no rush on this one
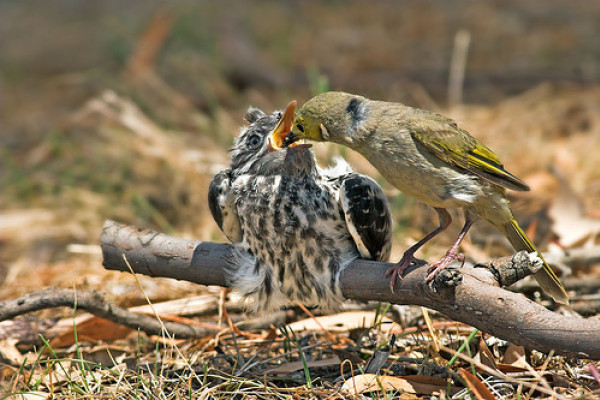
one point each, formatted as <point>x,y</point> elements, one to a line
<point>398,269</point>
<point>444,263</point>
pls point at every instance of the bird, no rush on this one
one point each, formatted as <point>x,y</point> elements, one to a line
<point>296,226</point>
<point>429,157</point>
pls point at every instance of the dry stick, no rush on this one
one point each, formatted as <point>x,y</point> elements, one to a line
<point>329,335</point>
<point>147,48</point>
<point>462,39</point>
<point>475,301</point>
<point>93,302</point>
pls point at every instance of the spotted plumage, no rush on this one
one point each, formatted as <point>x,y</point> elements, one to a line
<point>299,225</point>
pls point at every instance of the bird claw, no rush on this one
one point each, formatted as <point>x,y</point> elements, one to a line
<point>444,263</point>
<point>398,269</point>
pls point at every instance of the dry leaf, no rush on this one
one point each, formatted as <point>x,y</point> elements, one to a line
<point>9,351</point>
<point>485,356</point>
<point>515,364</point>
<point>338,322</point>
<point>515,356</point>
<point>374,383</point>
<point>479,389</point>
<point>93,329</point>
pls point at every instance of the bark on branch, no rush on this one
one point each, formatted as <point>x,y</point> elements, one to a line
<point>476,300</point>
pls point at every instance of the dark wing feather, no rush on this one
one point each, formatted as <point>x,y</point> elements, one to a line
<point>221,206</point>
<point>367,215</point>
<point>443,138</point>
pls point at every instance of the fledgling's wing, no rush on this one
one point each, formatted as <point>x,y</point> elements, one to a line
<point>368,216</point>
<point>222,208</point>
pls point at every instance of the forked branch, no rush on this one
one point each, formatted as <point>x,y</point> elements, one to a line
<point>477,300</point>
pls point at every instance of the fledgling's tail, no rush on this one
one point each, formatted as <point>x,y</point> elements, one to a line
<point>547,279</point>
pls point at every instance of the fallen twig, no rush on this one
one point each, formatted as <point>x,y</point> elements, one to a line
<point>93,302</point>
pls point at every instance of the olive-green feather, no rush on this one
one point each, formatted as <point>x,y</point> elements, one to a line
<point>458,148</point>
<point>545,276</point>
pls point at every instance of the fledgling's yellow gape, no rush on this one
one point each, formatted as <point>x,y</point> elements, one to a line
<point>427,156</point>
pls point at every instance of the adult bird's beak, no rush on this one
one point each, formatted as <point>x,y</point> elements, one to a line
<point>277,137</point>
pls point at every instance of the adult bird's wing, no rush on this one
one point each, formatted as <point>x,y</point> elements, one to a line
<point>443,138</point>
<point>222,208</point>
<point>367,215</point>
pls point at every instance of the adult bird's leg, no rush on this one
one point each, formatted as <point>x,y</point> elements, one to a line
<point>452,253</point>
<point>409,255</point>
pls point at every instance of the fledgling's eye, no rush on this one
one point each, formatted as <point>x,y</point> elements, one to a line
<point>254,141</point>
<point>300,128</point>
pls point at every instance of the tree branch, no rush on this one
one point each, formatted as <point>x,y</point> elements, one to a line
<point>476,300</point>
<point>94,303</point>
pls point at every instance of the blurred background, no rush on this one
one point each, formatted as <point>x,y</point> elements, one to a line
<point>125,111</point>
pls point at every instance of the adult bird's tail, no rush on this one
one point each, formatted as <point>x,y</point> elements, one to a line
<point>546,277</point>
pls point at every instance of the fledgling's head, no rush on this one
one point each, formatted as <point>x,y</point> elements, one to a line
<point>331,117</point>
<point>260,147</point>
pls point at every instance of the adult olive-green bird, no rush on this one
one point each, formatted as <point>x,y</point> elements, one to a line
<point>427,156</point>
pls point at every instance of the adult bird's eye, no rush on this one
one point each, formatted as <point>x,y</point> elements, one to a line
<point>254,141</point>
<point>300,128</point>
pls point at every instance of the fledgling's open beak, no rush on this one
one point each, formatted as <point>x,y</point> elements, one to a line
<point>277,137</point>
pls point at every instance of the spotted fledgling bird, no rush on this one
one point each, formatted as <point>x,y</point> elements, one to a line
<point>427,156</point>
<point>300,225</point>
